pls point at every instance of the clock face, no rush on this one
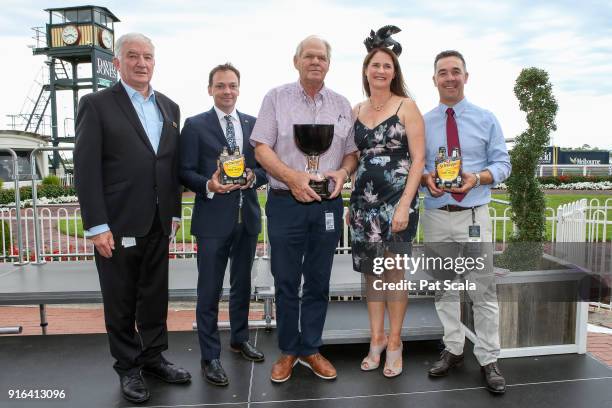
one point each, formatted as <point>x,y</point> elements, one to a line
<point>70,35</point>
<point>106,39</point>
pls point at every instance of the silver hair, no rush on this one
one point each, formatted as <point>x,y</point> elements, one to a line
<point>300,47</point>
<point>129,37</point>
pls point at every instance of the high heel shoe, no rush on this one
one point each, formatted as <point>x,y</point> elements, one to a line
<point>393,362</point>
<point>368,363</point>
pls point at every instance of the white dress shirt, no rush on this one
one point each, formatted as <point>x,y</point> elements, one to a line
<point>237,126</point>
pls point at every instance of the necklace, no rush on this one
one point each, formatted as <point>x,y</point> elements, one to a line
<point>378,108</point>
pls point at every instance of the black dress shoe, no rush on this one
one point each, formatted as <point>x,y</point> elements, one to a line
<point>496,383</point>
<point>248,351</point>
<point>214,372</point>
<point>447,361</point>
<point>133,388</point>
<point>168,372</point>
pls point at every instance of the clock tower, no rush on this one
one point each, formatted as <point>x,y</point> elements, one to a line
<point>73,36</point>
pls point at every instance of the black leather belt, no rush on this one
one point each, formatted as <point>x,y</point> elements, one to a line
<point>455,208</point>
<point>280,192</point>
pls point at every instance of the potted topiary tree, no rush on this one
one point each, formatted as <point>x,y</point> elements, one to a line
<point>536,313</point>
<point>533,313</point>
<point>534,93</point>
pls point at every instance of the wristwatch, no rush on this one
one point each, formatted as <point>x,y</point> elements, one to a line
<point>477,174</point>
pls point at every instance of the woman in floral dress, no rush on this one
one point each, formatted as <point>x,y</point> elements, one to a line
<point>389,133</point>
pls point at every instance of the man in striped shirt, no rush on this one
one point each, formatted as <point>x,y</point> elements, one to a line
<point>303,229</point>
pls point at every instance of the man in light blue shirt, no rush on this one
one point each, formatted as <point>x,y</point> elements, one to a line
<point>150,117</point>
<point>460,215</point>
<point>483,152</point>
<point>126,178</point>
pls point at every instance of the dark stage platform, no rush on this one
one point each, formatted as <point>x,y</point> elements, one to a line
<point>81,366</point>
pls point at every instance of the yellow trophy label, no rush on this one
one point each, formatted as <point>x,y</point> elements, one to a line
<point>449,170</point>
<point>234,168</point>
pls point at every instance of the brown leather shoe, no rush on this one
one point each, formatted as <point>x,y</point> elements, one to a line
<point>319,365</point>
<point>282,369</point>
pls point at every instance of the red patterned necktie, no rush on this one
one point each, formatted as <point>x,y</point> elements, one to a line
<point>452,141</point>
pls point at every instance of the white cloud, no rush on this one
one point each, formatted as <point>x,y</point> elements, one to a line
<point>498,40</point>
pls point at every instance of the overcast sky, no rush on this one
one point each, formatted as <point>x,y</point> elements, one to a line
<point>572,41</point>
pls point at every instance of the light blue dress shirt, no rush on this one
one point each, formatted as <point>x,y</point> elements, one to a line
<point>152,123</point>
<point>482,148</point>
<point>148,113</point>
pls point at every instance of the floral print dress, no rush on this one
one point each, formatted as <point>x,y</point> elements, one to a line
<point>379,184</point>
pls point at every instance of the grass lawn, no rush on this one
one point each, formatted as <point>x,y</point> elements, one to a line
<point>552,200</point>
<point>67,228</point>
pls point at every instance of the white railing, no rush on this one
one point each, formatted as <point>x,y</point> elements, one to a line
<point>61,239</point>
<point>15,257</point>
<point>598,223</point>
<point>574,170</point>
<point>54,232</point>
<point>60,235</point>
<point>571,222</point>
<point>67,180</point>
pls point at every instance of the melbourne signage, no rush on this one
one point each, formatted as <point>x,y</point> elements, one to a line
<point>103,68</point>
<point>583,157</point>
<point>555,155</point>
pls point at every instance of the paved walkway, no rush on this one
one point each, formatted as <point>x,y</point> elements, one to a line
<point>600,346</point>
<point>81,319</point>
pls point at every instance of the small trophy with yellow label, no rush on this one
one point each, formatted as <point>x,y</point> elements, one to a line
<point>232,166</point>
<point>448,169</point>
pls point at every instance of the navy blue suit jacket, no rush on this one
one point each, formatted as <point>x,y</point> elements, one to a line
<point>200,144</point>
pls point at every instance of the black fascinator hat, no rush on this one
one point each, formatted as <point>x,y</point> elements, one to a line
<point>382,39</point>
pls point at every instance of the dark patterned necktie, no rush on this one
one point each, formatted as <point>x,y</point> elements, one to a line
<point>452,141</point>
<point>231,141</point>
<point>229,132</point>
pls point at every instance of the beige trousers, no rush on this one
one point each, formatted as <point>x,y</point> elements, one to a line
<point>443,226</point>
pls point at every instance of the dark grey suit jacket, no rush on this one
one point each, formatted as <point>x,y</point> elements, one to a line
<point>119,178</point>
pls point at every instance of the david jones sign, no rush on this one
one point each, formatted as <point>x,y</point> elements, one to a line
<point>104,68</point>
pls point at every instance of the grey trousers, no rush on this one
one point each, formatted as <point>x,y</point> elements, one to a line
<point>443,226</point>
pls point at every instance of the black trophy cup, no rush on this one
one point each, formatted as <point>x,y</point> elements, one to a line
<point>313,141</point>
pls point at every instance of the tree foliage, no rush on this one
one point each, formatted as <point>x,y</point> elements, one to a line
<point>534,93</point>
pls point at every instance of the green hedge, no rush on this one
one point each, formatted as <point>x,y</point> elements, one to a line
<point>566,179</point>
<point>49,191</point>
<point>52,180</point>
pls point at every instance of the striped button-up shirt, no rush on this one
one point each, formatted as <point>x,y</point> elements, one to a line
<point>289,104</point>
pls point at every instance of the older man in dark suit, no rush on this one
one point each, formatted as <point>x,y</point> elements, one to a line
<point>226,218</point>
<point>126,168</point>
